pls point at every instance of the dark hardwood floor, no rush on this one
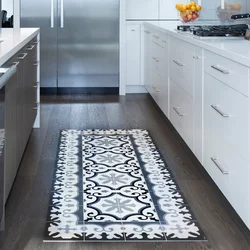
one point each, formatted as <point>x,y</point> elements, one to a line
<point>27,204</point>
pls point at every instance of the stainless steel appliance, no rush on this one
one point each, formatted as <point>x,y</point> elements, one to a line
<point>79,41</point>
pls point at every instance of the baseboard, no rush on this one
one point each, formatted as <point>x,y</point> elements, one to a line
<point>48,91</point>
<point>87,90</point>
<point>135,89</point>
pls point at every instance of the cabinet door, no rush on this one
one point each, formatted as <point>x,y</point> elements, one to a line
<point>10,133</point>
<point>198,58</point>
<point>181,65</point>
<point>142,9</point>
<point>168,10</point>
<point>32,83</point>
<point>164,83</point>
<point>182,113</point>
<point>19,114</point>
<point>27,76</point>
<point>133,54</point>
<point>147,58</point>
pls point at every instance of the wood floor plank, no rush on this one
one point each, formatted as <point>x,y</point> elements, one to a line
<point>26,209</point>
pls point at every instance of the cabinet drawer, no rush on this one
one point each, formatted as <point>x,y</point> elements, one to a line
<point>163,95</point>
<point>226,112</point>
<point>229,171</point>
<point>182,64</point>
<point>229,72</point>
<point>182,113</point>
<point>160,39</point>
<point>133,54</point>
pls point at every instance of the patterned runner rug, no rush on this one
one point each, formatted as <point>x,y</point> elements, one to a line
<point>113,185</point>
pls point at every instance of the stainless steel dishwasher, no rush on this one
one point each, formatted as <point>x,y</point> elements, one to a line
<point>6,75</point>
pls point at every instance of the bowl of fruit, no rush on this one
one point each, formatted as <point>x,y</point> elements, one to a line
<point>188,12</point>
<point>224,14</point>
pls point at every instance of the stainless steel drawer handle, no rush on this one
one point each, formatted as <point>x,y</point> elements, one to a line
<point>31,47</point>
<point>178,63</point>
<point>216,162</point>
<point>23,55</point>
<point>177,110</point>
<point>223,71</point>
<point>36,107</point>
<point>62,14</point>
<point>157,60</point>
<point>156,37</point>
<point>196,57</point>
<point>164,41</point>
<point>36,85</point>
<point>216,108</point>
<point>15,63</point>
<point>36,42</point>
<point>51,13</point>
<point>147,32</point>
<point>156,90</point>
<point>36,63</point>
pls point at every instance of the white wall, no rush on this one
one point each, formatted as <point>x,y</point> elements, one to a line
<point>8,6</point>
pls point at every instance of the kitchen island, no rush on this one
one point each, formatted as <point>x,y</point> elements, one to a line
<point>202,87</point>
<point>19,101</point>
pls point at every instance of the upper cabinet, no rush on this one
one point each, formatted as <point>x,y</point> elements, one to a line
<point>167,8</point>
<point>142,9</point>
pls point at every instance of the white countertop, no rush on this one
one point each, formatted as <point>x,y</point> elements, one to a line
<point>14,40</point>
<point>237,50</point>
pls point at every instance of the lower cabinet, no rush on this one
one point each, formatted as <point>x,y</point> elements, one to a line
<point>21,109</point>
<point>182,113</point>
<point>208,107</point>
<point>156,68</point>
<point>226,125</point>
<point>11,147</point>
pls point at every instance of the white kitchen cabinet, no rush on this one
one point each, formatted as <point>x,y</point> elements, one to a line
<point>208,102</point>
<point>156,68</point>
<point>227,71</point>
<point>182,64</point>
<point>160,57</point>
<point>182,113</point>
<point>133,54</point>
<point>142,9</point>
<point>225,141</point>
<point>199,88</point>
<point>147,56</point>
<point>167,9</point>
